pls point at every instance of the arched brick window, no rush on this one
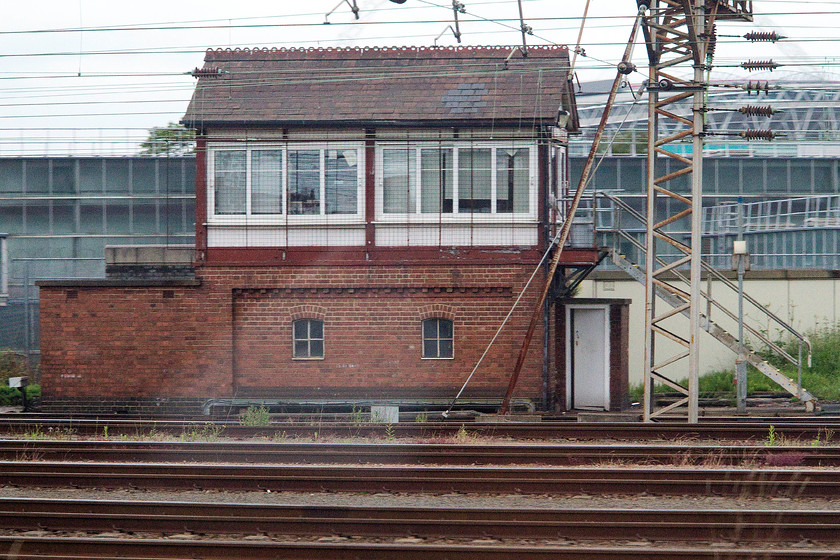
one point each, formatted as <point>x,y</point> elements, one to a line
<point>438,338</point>
<point>308,339</point>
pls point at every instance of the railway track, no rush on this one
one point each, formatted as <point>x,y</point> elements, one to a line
<point>210,518</point>
<point>762,482</point>
<point>714,430</point>
<point>425,453</point>
<point>58,548</point>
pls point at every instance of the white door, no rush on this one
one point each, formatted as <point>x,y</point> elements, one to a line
<point>589,358</point>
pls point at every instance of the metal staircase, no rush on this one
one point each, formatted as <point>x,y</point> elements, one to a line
<point>623,237</point>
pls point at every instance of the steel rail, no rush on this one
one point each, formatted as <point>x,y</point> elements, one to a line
<point>427,522</point>
<point>506,479</point>
<point>410,454</point>
<point>737,430</point>
<point>53,548</point>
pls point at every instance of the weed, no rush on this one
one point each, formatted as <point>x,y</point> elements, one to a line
<point>357,416</point>
<point>202,432</point>
<point>422,417</point>
<point>463,436</point>
<point>389,432</point>
<point>35,433</point>
<point>255,416</point>
<point>105,432</point>
<point>770,441</point>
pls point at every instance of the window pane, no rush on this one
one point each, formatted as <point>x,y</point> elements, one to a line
<point>301,349</point>
<point>399,180</point>
<point>116,176</point>
<point>436,180</point>
<point>430,349</point>
<point>474,180</point>
<point>342,181</point>
<point>316,329</point>
<point>37,176</point>
<point>444,328</point>
<point>229,172</point>
<point>266,181</point>
<point>430,328</point>
<point>300,329</point>
<point>144,176</point>
<point>445,349</point>
<point>316,349</point>
<point>90,217</point>
<point>512,172</point>
<point>305,182</point>
<point>63,177</point>
<point>90,175</point>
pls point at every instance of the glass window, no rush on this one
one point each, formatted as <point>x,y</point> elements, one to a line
<point>266,181</point>
<point>144,218</point>
<point>465,187</point>
<point>399,179</point>
<point>117,176</point>
<point>272,181</point>
<point>37,176</point>
<point>474,180</point>
<point>144,175</point>
<point>91,218</point>
<point>341,181</point>
<point>308,339</point>
<point>91,175</point>
<point>305,182</point>
<point>63,177</point>
<point>11,177</point>
<point>512,174</point>
<point>438,338</point>
<point>64,217</point>
<point>436,181</point>
<point>229,175</point>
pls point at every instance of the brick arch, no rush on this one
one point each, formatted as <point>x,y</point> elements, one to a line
<point>307,311</point>
<point>437,310</point>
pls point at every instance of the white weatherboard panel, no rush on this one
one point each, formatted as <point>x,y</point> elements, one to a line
<point>283,237</point>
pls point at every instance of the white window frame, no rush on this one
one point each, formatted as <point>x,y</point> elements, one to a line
<point>284,218</point>
<point>455,217</point>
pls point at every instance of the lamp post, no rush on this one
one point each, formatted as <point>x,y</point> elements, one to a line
<point>741,263</point>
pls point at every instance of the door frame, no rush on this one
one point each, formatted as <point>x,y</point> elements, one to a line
<point>570,350</point>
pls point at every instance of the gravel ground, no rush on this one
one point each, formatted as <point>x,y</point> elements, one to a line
<point>543,502</point>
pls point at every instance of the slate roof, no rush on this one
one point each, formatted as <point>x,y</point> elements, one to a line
<point>408,85</point>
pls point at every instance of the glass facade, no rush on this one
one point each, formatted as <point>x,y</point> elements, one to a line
<point>60,213</point>
<point>725,180</point>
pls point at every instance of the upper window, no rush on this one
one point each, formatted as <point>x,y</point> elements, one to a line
<point>264,180</point>
<point>458,179</point>
<point>308,339</point>
<point>438,338</point>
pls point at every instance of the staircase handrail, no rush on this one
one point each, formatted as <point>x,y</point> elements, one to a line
<point>731,285</point>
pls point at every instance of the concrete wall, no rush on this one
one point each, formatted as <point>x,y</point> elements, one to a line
<point>805,300</point>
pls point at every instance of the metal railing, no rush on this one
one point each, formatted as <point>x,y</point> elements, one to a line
<point>774,215</point>
<point>622,239</point>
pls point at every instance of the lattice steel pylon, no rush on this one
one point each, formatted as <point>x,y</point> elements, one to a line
<point>678,34</point>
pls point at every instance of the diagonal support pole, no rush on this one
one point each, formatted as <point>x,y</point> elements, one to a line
<point>624,67</point>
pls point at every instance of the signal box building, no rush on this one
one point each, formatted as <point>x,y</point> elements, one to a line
<point>365,220</point>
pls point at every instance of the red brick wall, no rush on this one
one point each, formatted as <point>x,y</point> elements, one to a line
<point>110,341</point>
<point>231,336</point>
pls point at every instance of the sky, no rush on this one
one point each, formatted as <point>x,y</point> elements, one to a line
<point>92,76</point>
